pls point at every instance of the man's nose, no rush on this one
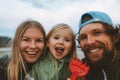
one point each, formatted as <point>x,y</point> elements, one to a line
<point>90,40</point>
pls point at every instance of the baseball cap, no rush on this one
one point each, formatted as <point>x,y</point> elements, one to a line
<point>95,16</point>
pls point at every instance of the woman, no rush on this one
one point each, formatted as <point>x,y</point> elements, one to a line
<point>27,47</point>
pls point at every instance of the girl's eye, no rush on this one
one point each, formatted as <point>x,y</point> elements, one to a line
<point>56,38</point>
<point>68,40</point>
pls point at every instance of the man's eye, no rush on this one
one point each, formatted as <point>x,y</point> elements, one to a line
<point>82,37</point>
<point>97,33</point>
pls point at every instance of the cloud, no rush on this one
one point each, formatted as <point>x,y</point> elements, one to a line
<point>49,4</point>
<point>51,12</point>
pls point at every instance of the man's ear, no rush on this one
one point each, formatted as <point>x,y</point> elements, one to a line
<point>116,38</point>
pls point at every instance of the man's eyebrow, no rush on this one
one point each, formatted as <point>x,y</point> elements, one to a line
<point>98,30</point>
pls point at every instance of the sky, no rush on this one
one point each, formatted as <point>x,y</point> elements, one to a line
<point>52,12</point>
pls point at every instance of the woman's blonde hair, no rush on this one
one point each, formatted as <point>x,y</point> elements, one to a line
<point>63,26</point>
<point>16,63</point>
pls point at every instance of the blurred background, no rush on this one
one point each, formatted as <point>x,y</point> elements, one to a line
<point>49,13</point>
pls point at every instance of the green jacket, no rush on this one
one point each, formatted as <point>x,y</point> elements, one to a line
<point>51,69</point>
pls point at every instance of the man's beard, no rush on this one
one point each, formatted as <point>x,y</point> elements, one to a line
<point>104,61</point>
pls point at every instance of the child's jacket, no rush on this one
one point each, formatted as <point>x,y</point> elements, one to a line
<point>51,69</point>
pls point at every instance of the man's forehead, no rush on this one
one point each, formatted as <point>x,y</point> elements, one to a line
<point>90,27</point>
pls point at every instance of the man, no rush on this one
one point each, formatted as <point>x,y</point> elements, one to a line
<point>100,42</point>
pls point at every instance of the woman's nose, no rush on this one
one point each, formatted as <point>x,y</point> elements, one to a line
<point>32,44</point>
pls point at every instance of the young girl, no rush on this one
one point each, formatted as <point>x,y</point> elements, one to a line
<point>61,47</point>
<point>27,47</point>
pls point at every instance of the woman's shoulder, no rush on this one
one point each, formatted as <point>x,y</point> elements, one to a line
<point>3,67</point>
<point>4,61</point>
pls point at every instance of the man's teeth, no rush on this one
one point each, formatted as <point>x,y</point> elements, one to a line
<point>32,52</point>
<point>94,50</point>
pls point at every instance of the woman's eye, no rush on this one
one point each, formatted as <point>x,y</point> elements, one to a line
<point>25,39</point>
<point>40,40</point>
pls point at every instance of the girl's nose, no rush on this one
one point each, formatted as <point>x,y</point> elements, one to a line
<point>60,41</point>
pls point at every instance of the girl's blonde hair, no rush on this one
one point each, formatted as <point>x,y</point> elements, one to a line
<point>16,64</point>
<point>63,26</point>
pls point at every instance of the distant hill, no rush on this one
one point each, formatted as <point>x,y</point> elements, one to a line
<point>4,41</point>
